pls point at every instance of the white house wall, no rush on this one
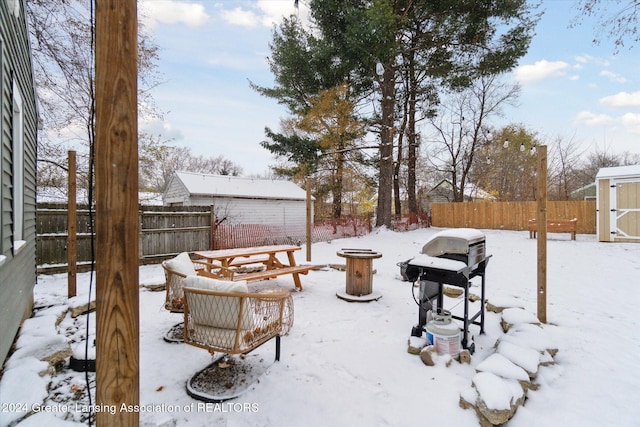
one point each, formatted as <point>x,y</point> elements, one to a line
<point>177,194</point>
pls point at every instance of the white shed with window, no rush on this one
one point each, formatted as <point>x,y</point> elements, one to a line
<point>618,201</point>
<point>240,200</point>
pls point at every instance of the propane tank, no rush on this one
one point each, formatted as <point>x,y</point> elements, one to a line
<point>444,334</point>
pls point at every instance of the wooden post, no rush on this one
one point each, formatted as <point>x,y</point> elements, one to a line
<point>309,218</point>
<point>72,247</point>
<point>117,227</point>
<point>212,221</point>
<point>542,233</point>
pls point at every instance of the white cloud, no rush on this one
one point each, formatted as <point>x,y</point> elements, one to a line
<point>632,122</point>
<point>622,99</point>
<point>157,126</point>
<point>274,11</point>
<point>173,12</point>
<point>268,13</point>
<point>241,17</point>
<point>584,59</point>
<point>592,119</point>
<point>614,77</point>
<point>541,70</point>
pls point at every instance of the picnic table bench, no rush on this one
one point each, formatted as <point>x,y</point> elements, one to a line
<point>555,226</point>
<point>223,259</point>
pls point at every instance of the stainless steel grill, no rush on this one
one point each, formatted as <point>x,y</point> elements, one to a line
<point>450,257</point>
<point>464,244</point>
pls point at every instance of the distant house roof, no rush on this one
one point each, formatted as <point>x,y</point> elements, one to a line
<point>586,192</point>
<point>470,190</point>
<point>201,184</point>
<point>619,172</point>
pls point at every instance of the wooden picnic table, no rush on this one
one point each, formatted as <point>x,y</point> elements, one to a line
<point>266,255</point>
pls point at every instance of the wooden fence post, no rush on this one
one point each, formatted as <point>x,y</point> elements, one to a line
<point>309,218</point>
<point>117,225</point>
<point>72,242</point>
<point>542,233</point>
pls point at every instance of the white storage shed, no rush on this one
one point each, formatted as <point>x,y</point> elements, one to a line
<point>240,200</point>
<point>618,204</point>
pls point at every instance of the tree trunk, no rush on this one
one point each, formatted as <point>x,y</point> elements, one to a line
<point>412,142</point>
<point>337,185</point>
<point>412,149</point>
<point>385,183</point>
<point>396,174</point>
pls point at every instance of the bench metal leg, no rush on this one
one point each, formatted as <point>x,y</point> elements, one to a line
<point>278,348</point>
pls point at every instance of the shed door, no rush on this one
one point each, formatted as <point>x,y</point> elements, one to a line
<point>625,209</point>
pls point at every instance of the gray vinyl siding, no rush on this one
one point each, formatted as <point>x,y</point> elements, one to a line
<point>18,269</point>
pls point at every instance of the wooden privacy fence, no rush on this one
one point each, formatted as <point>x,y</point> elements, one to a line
<point>167,231</point>
<point>164,231</point>
<point>512,215</point>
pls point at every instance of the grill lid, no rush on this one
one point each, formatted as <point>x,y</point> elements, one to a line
<point>452,241</point>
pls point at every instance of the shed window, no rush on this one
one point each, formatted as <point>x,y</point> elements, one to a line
<point>18,168</point>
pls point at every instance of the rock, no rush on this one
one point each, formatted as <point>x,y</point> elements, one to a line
<point>495,416</point>
<point>78,310</point>
<point>426,355</point>
<point>59,311</point>
<point>499,365</point>
<point>474,298</point>
<point>528,385</point>
<point>532,336</point>
<point>452,292</point>
<point>498,399</point>
<point>416,344</point>
<point>505,326</point>
<point>448,358</point>
<point>468,398</point>
<point>154,287</point>
<point>492,308</point>
<point>53,349</point>
<point>516,316</point>
<point>465,357</point>
<point>526,358</point>
<point>499,304</point>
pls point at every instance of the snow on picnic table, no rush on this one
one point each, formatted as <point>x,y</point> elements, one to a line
<point>346,364</point>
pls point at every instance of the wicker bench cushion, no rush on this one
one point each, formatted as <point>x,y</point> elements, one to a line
<point>218,311</point>
<point>182,264</point>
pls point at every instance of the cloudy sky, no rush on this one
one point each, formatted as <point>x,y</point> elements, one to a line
<point>210,50</point>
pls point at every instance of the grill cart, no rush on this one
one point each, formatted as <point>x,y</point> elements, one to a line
<point>451,257</point>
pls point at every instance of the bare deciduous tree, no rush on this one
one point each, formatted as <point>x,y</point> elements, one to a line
<point>460,127</point>
<point>618,20</point>
<point>61,33</point>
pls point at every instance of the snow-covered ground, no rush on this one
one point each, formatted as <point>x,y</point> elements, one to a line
<point>346,364</point>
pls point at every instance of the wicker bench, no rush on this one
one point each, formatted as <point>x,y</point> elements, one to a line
<point>555,226</point>
<point>222,316</point>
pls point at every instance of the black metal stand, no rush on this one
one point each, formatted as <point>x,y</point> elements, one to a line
<point>462,279</point>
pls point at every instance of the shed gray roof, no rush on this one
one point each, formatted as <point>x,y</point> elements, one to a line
<point>202,184</point>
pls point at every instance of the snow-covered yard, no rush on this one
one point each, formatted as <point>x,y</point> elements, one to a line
<point>346,364</point>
